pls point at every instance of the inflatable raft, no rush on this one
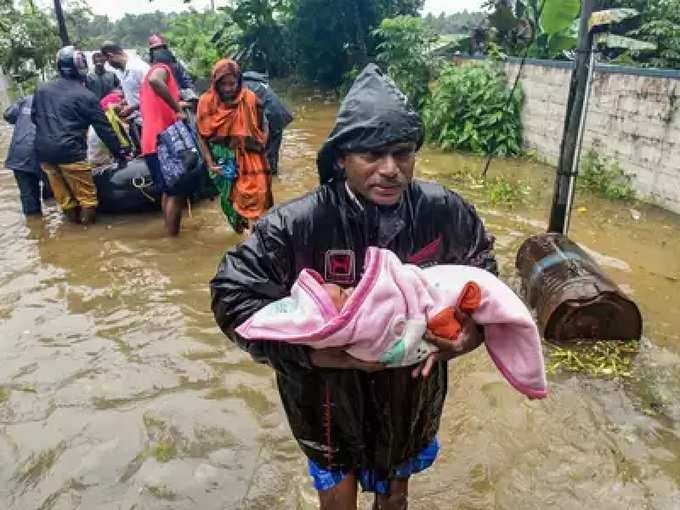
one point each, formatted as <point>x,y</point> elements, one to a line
<point>131,189</point>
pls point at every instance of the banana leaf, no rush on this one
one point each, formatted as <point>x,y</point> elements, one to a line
<point>611,16</point>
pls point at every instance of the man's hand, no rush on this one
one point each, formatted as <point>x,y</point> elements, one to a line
<point>337,357</point>
<point>468,340</point>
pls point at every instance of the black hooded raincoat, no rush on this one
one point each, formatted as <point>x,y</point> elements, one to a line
<point>347,418</point>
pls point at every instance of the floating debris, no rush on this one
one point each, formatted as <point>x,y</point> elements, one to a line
<point>598,359</point>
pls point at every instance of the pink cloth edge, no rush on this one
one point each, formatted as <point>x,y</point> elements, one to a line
<point>530,392</point>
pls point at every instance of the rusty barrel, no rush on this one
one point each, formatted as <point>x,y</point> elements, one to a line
<point>572,296</point>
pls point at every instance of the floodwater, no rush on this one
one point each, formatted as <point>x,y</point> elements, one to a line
<point>117,391</point>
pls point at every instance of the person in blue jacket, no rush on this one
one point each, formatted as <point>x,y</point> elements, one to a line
<point>22,160</point>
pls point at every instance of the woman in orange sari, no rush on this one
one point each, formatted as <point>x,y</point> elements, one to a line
<point>231,124</point>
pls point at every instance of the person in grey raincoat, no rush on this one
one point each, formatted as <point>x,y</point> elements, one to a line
<point>357,422</point>
<point>278,116</point>
<point>22,159</point>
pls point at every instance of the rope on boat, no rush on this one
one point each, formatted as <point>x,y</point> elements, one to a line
<point>141,183</point>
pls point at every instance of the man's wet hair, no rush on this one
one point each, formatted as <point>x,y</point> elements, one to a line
<point>110,48</point>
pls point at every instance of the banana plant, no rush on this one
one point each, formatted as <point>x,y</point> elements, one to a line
<point>551,26</point>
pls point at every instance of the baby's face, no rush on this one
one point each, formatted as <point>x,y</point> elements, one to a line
<point>338,295</point>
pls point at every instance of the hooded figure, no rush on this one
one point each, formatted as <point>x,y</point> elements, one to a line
<point>356,421</point>
<point>278,116</point>
<point>374,113</point>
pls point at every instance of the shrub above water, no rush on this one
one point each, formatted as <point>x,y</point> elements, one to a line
<point>471,110</point>
<point>605,177</point>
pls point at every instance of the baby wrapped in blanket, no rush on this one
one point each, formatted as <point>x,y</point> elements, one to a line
<point>386,316</point>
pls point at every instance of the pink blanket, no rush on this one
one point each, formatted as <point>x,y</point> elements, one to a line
<point>386,317</point>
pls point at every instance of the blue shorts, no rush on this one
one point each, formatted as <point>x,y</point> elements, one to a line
<point>325,480</point>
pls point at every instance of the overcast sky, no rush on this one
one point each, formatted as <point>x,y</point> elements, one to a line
<point>116,8</point>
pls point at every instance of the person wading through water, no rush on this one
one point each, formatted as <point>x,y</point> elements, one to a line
<point>357,422</point>
<point>232,124</point>
<point>160,108</point>
<point>22,159</point>
<point>62,111</point>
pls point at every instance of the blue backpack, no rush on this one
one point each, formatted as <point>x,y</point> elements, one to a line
<point>179,158</point>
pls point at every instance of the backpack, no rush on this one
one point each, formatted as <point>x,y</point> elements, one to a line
<point>179,158</point>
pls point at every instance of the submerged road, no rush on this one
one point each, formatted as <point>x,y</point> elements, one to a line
<point>117,391</point>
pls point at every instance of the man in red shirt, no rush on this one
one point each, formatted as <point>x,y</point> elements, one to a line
<point>161,107</point>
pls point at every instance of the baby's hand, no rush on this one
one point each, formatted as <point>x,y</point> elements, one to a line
<point>468,340</point>
<point>338,295</point>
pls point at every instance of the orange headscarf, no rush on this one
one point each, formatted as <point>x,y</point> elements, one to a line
<point>237,121</point>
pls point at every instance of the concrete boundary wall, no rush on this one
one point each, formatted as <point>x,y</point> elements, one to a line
<point>634,118</point>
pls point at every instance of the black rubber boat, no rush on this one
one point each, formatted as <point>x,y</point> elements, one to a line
<point>131,189</point>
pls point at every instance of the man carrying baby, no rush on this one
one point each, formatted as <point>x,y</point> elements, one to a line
<point>357,422</point>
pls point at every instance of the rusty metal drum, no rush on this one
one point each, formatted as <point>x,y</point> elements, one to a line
<point>572,297</point>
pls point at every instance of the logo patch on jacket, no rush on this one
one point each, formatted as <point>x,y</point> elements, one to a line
<point>427,255</point>
<point>340,267</point>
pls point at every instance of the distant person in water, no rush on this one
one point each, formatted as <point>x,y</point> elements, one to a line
<point>233,133</point>
<point>278,116</point>
<point>22,159</point>
<point>101,82</point>
<point>62,111</point>
<point>160,108</point>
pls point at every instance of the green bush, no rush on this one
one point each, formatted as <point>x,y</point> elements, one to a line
<point>501,191</point>
<point>403,53</point>
<point>604,177</point>
<point>471,110</point>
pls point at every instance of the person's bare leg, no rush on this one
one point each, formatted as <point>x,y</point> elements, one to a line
<point>88,215</point>
<point>172,213</point>
<point>396,500</point>
<point>73,214</point>
<point>341,497</point>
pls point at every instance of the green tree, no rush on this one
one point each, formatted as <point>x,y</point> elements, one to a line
<point>261,38</point>
<point>192,37</point>
<point>659,24</point>
<point>28,41</point>
<point>456,23</point>
<point>331,38</point>
<point>403,53</point>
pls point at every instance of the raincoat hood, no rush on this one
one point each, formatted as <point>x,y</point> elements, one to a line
<point>255,76</point>
<point>374,113</point>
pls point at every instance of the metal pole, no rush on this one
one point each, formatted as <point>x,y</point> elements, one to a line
<point>63,32</point>
<point>581,134</point>
<point>559,214</point>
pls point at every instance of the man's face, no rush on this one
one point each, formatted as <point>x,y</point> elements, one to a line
<point>228,87</point>
<point>117,60</point>
<point>99,62</point>
<point>382,175</point>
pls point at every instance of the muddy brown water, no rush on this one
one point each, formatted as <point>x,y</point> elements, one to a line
<point>118,392</point>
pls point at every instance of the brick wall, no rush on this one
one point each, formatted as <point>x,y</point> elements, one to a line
<point>634,117</point>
